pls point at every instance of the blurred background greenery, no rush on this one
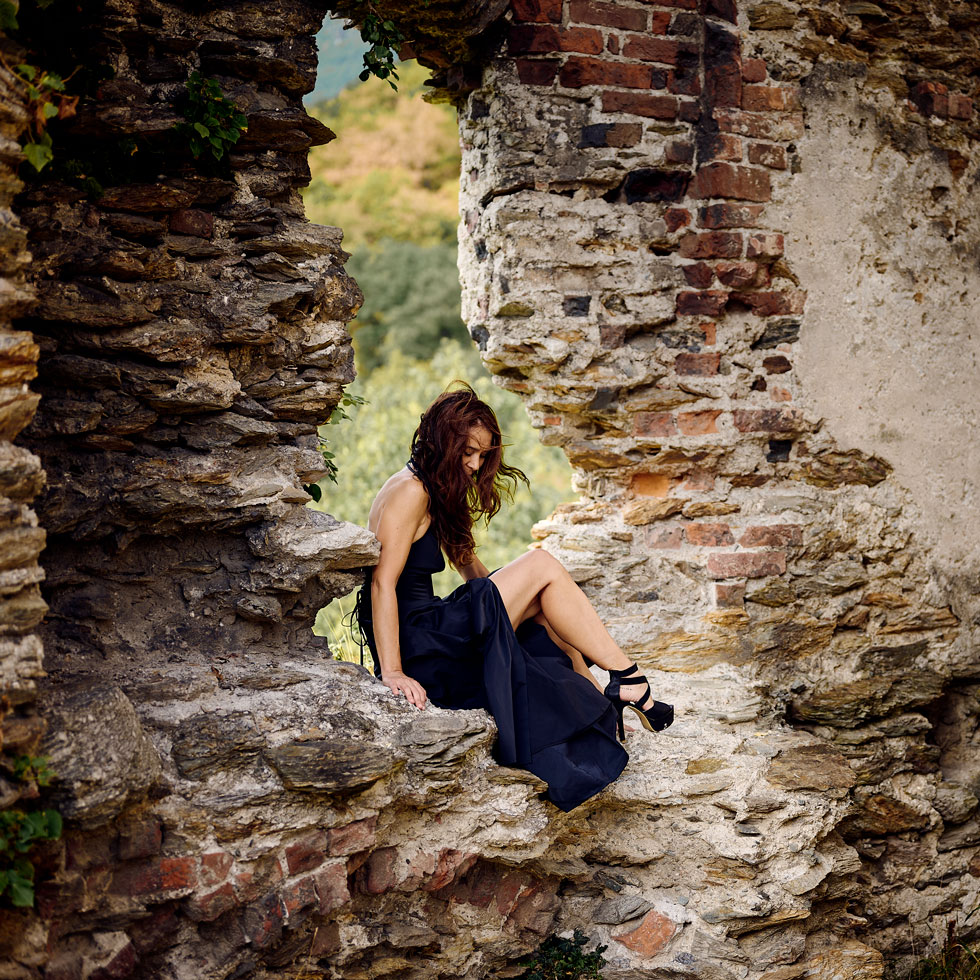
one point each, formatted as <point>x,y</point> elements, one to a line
<point>390,180</point>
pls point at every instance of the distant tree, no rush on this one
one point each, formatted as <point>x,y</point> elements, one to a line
<point>411,302</point>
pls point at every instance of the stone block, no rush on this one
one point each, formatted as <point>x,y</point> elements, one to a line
<point>353,837</point>
<point>307,853</point>
<point>756,564</point>
<point>651,936</point>
<point>331,886</point>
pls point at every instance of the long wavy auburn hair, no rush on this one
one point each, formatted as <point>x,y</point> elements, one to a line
<point>456,500</point>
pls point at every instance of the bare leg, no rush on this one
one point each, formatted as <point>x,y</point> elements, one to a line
<point>538,583</point>
<point>578,661</point>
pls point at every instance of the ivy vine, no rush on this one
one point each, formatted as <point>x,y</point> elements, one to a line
<point>337,415</point>
<point>213,123</point>
<point>558,958</point>
<point>385,40</point>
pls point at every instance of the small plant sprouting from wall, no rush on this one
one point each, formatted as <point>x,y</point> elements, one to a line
<point>384,38</point>
<point>337,415</point>
<point>21,829</point>
<point>559,958</point>
<point>955,961</point>
<point>213,122</point>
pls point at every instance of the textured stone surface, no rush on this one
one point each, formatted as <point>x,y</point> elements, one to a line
<point>639,264</point>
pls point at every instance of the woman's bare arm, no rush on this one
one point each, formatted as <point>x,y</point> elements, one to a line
<point>402,515</point>
<point>475,569</point>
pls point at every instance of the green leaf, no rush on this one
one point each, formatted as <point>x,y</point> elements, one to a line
<point>49,110</point>
<point>54,82</point>
<point>8,22</point>
<point>202,129</point>
<point>21,892</point>
<point>313,489</point>
<point>38,155</point>
<point>26,71</point>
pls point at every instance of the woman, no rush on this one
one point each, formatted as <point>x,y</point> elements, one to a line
<point>511,641</point>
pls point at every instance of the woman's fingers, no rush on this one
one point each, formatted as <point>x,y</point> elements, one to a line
<point>413,690</point>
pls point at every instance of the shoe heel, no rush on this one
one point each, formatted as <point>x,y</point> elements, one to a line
<point>620,725</point>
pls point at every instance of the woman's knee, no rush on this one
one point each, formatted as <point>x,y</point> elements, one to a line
<point>544,564</point>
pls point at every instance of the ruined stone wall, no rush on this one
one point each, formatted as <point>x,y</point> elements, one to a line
<point>21,477</point>
<point>726,263</point>
<point>647,259</point>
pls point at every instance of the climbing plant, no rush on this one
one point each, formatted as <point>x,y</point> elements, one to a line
<point>22,829</point>
<point>212,123</point>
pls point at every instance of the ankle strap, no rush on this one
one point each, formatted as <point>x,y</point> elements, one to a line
<point>623,673</point>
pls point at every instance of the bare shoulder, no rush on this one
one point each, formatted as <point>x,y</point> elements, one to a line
<point>402,494</point>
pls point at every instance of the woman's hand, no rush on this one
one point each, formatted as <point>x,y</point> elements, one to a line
<point>401,683</point>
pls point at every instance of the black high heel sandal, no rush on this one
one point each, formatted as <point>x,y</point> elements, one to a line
<point>654,719</point>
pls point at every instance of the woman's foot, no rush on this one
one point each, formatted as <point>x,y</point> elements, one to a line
<point>628,688</point>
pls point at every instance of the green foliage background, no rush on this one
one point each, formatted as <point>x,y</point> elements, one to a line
<point>390,180</point>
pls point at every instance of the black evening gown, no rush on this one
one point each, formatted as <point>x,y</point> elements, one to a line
<point>463,650</point>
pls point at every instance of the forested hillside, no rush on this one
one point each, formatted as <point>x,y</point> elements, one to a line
<point>390,180</point>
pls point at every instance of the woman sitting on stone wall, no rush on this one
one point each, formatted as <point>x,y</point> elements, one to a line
<point>503,640</point>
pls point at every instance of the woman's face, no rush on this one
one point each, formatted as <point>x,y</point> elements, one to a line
<point>478,444</point>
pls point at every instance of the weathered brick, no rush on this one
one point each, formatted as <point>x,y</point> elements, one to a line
<point>677,152</point>
<point>698,481</point>
<point>702,365</point>
<point>683,4</point>
<point>539,11</point>
<point>729,215</point>
<point>650,484</point>
<point>729,180</point>
<point>698,274</point>
<point>306,853</point>
<point>738,275</point>
<point>765,98</point>
<point>764,244</point>
<point>728,147</point>
<point>256,880</point>
<point>331,886</point>
<point>689,110</point>
<point>723,82</point>
<point>159,875</point>
<point>650,936</point>
<point>778,394</point>
<point>781,126</point>
<point>478,887</point>
<point>771,536</point>
<point>299,895</point>
<point>684,80</point>
<point>960,106</point>
<point>450,865</point>
<point>768,420</point>
<point>676,218</point>
<point>611,134</point>
<point>777,364</point>
<point>579,72</point>
<point>207,906</point>
<point>611,336</point>
<point>729,595</point>
<point>660,50</point>
<point>544,38</point>
<point>746,564</point>
<point>663,536</point>
<point>698,423</point>
<point>654,424</point>
<point>932,99</point>
<point>380,873</point>
<point>754,70</point>
<point>536,72</point>
<point>215,866</point>
<point>535,909</point>
<point>649,106</point>
<point>709,535</point>
<point>612,44</point>
<point>357,836</point>
<point>767,155</point>
<point>608,15</point>
<point>711,245</point>
<point>780,303</point>
<point>708,302</point>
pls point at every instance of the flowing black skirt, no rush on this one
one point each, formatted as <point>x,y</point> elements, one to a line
<point>550,720</point>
